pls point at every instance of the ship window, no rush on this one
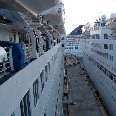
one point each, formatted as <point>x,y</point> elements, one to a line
<point>25,105</point>
<point>36,91</point>
<point>13,114</point>
<point>45,114</point>
<point>105,46</point>
<point>58,90</point>
<point>111,57</point>
<point>49,66</point>
<point>56,107</point>
<point>111,46</point>
<point>61,67</point>
<point>100,68</point>
<point>110,76</point>
<point>107,73</point>
<point>115,69</point>
<point>104,71</point>
<point>115,79</point>
<point>93,36</point>
<point>102,24</point>
<point>107,55</point>
<point>105,36</point>
<point>42,80</point>
<point>46,73</point>
<point>97,36</point>
<point>57,100</point>
<point>76,47</point>
<point>55,113</point>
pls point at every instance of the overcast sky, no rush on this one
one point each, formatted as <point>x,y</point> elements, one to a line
<point>79,12</point>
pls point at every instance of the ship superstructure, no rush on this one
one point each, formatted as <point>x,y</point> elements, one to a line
<point>97,44</point>
<point>71,47</point>
<point>71,42</point>
<point>31,57</point>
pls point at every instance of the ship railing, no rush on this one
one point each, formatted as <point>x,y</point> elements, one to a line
<point>28,52</point>
<point>6,66</point>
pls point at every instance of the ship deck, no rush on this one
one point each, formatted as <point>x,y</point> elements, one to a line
<point>81,93</point>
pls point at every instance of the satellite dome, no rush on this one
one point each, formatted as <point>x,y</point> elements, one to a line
<point>113,15</point>
<point>103,17</point>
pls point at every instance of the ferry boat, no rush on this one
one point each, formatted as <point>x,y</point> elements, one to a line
<point>98,44</point>
<point>31,57</point>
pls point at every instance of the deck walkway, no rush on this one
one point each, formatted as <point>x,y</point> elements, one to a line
<point>80,93</point>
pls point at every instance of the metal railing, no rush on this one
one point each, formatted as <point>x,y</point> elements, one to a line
<point>28,52</point>
<point>6,66</point>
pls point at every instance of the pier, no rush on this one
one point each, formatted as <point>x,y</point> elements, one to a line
<point>81,97</point>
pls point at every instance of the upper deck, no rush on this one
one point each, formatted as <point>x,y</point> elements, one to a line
<point>26,36</point>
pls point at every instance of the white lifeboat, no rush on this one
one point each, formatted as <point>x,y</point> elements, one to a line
<point>56,10</point>
<point>31,6</point>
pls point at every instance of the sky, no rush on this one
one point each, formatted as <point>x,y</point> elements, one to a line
<point>80,12</point>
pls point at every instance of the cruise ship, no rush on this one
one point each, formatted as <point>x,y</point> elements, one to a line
<point>71,45</point>
<point>31,57</point>
<point>97,44</point>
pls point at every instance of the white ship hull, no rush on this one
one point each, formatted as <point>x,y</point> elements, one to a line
<point>99,70</point>
<point>47,99</point>
<point>32,65</point>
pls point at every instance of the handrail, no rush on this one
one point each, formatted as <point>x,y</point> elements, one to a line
<point>28,52</point>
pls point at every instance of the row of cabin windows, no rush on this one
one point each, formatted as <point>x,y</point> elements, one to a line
<point>76,47</point>
<point>109,36</point>
<point>105,36</point>
<point>106,46</point>
<point>36,91</point>
<point>25,105</point>
<point>105,86</point>
<point>69,48</point>
<point>113,68</point>
<point>43,79</point>
<point>107,73</point>
<point>105,55</point>
<point>96,36</point>
<point>56,107</point>
<point>110,46</point>
<point>25,102</point>
<point>41,91</point>
<point>71,45</point>
<point>110,75</point>
<point>95,45</point>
